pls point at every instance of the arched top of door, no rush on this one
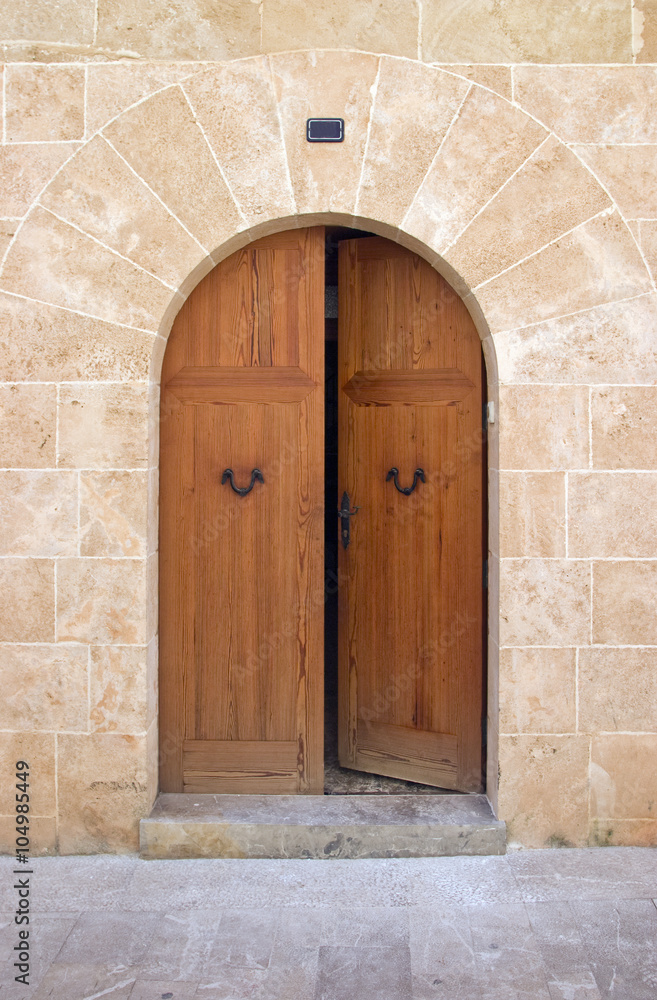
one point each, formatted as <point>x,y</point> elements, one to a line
<point>509,214</point>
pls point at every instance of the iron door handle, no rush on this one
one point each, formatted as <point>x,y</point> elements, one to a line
<point>406,490</point>
<point>345,513</point>
<point>242,490</point>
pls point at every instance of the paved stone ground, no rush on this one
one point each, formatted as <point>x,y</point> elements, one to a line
<point>535,925</point>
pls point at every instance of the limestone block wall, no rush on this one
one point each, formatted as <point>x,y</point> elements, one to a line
<point>513,147</point>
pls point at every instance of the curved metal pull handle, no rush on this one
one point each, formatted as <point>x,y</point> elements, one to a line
<point>242,490</point>
<point>344,513</point>
<point>406,490</point>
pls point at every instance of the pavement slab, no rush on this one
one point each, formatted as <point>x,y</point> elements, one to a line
<point>533,925</point>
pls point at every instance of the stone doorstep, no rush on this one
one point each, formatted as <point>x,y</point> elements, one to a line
<point>320,826</point>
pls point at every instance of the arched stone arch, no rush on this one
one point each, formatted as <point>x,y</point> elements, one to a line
<point>182,178</point>
<point>493,199</point>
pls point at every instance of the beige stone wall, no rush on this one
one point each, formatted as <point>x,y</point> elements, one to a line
<point>130,168</point>
<point>446,31</point>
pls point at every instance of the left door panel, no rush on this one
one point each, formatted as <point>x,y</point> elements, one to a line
<point>241,576</point>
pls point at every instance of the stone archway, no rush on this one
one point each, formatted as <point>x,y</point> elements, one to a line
<point>495,201</point>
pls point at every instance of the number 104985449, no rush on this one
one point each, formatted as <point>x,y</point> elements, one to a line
<point>22,805</point>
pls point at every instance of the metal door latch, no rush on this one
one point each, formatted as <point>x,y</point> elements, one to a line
<point>344,513</point>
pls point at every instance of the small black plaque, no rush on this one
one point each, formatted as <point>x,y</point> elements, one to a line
<point>325,129</point>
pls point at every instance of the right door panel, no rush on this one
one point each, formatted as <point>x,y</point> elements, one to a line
<point>411,615</point>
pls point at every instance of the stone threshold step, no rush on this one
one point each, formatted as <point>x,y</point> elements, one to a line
<point>320,826</point>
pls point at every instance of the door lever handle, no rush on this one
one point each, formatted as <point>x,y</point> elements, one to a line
<point>406,490</point>
<point>344,513</point>
<point>242,490</point>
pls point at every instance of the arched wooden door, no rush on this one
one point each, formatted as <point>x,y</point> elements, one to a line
<point>241,576</point>
<point>242,573</point>
<point>411,458</point>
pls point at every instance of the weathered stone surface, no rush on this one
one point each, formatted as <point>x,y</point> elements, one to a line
<point>38,751</point>
<point>325,175</point>
<point>497,78</point>
<point>25,169</point>
<point>42,343</point>
<point>113,87</point>
<point>544,427</point>
<point>645,31</point>
<point>544,602</point>
<point>38,514</point>
<point>103,426</point>
<point>43,835</point>
<point>532,514</point>
<point>28,415</point>
<point>624,422</point>
<point>551,194</point>
<point>8,228</point>
<point>647,235</point>
<point>53,262</point>
<point>113,513</point>
<point>101,601</point>
<point>617,690</point>
<point>488,141</point>
<point>102,792</point>
<point>623,832</point>
<point>179,29</point>
<point>607,104</point>
<point>612,515</point>
<point>288,826</point>
<point>97,192</point>
<point>629,174</point>
<point>70,21</point>
<point>236,107</point>
<point>625,603</point>
<point>44,687</point>
<point>27,611</point>
<point>412,111</point>
<point>623,776</point>
<point>537,690</point>
<point>518,31</point>
<point>371,25</point>
<point>606,344</point>
<point>44,103</point>
<point>598,262</point>
<point>175,167</point>
<point>119,690</point>
<point>544,789</point>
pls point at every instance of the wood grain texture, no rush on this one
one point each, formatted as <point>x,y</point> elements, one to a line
<point>411,608</point>
<point>432,757</point>
<point>240,385</point>
<point>241,629</point>
<point>240,765</point>
<point>408,388</point>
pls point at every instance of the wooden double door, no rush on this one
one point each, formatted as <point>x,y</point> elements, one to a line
<point>242,509</point>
